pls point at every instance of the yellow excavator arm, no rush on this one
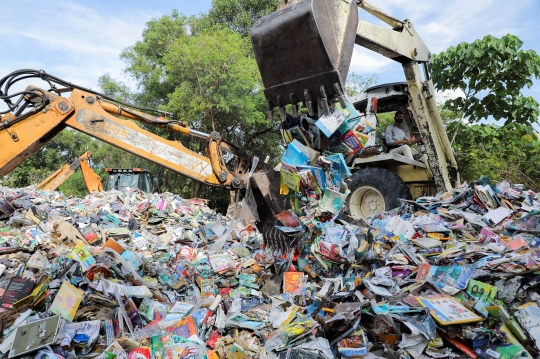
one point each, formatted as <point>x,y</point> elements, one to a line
<point>35,116</point>
<point>44,114</point>
<point>91,179</point>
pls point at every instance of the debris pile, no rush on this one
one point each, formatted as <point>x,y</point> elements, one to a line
<point>130,275</point>
<point>439,277</point>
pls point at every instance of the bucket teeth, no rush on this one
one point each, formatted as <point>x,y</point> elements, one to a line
<point>282,109</point>
<point>294,107</point>
<point>341,96</point>
<point>270,112</point>
<point>309,102</point>
<point>324,102</point>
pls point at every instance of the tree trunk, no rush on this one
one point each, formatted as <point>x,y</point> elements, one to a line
<point>195,188</point>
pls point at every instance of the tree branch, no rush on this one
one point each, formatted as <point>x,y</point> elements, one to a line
<point>257,134</point>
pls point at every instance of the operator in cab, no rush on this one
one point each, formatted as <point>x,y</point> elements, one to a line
<point>397,140</point>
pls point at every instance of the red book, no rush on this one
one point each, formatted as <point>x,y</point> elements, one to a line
<point>17,289</point>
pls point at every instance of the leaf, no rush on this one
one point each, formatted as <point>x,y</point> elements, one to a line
<point>492,71</point>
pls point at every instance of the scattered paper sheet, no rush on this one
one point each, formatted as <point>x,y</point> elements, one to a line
<point>496,216</point>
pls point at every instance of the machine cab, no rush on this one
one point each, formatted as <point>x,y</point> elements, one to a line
<point>122,178</point>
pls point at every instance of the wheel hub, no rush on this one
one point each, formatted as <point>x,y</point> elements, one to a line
<point>366,201</point>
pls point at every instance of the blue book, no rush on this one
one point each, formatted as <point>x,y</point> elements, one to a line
<point>294,155</point>
<point>338,158</point>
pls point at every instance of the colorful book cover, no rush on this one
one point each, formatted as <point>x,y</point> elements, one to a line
<point>338,146</point>
<point>331,251</point>
<point>37,294</point>
<point>89,234</point>
<point>17,289</point>
<point>236,352</point>
<point>82,254</point>
<point>288,218</point>
<point>140,353</point>
<point>313,184</point>
<point>483,294</point>
<point>317,172</point>
<point>353,142</point>
<point>207,287</point>
<point>292,281</point>
<point>37,261</point>
<point>341,164</point>
<point>454,275</point>
<point>248,280</point>
<point>133,313</point>
<point>330,124</point>
<point>368,127</point>
<point>528,316</point>
<point>422,272</point>
<point>152,310</point>
<point>333,201</point>
<point>185,328</point>
<point>448,310</point>
<point>178,311</point>
<point>67,301</point>
<point>349,125</point>
<point>354,345</point>
<point>291,180</point>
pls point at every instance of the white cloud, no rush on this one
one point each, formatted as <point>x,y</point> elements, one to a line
<point>368,62</point>
<point>445,23</point>
<point>69,40</point>
<point>443,96</point>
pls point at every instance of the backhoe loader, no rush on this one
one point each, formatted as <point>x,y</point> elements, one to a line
<point>36,115</point>
<point>91,179</point>
<point>304,52</point>
<point>117,178</point>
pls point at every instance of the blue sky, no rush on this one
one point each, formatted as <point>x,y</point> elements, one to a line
<point>81,40</point>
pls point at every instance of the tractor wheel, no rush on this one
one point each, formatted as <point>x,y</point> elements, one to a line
<point>374,190</point>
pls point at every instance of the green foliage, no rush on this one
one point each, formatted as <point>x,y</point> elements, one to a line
<point>237,15</point>
<point>384,120</point>
<point>115,89</point>
<point>206,76</point>
<point>145,59</point>
<point>356,84</point>
<point>508,152</point>
<point>491,72</point>
<point>215,77</point>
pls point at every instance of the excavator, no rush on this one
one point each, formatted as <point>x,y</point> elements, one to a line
<point>303,51</point>
<point>117,178</point>
<point>91,179</point>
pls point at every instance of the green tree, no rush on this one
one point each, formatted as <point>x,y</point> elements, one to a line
<point>207,78</point>
<point>500,152</point>
<point>491,73</point>
<point>237,15</point>
<point>356,84</point>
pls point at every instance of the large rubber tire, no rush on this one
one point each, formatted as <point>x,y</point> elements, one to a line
<point>374,190</point>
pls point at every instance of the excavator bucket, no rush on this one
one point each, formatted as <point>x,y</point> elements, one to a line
<point>269,203</point>
<point>304,51</point>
